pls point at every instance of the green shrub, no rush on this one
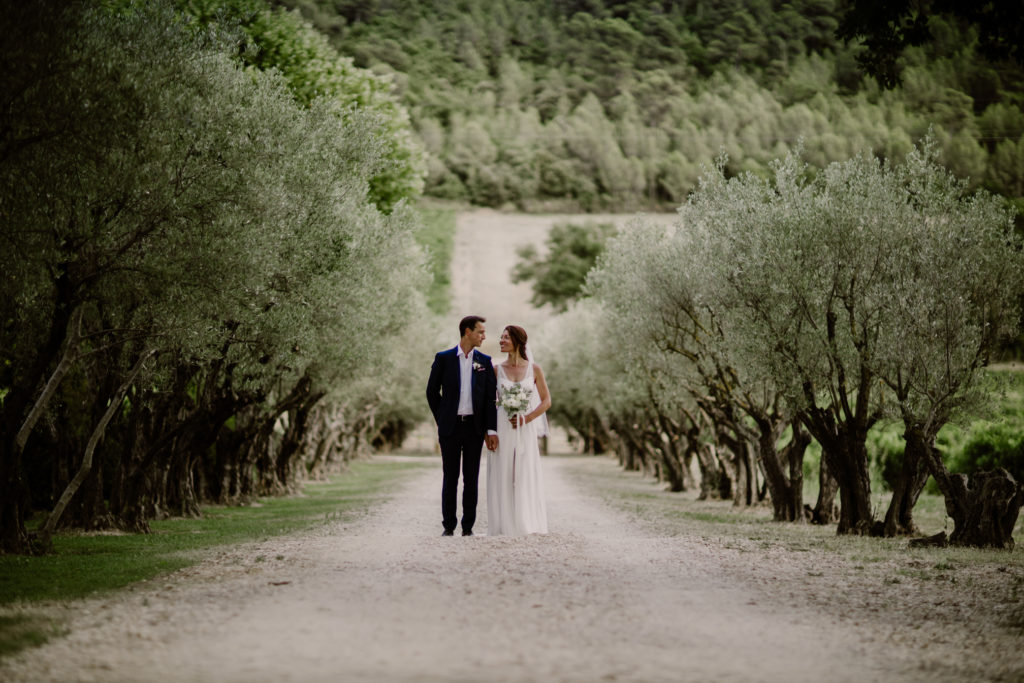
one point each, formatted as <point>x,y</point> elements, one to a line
<point>812,461</point>
<point>990,445</point>
<point>885,455</point>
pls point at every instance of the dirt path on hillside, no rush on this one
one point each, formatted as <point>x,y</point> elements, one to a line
<point>485,255</point>
<point>389,599</point>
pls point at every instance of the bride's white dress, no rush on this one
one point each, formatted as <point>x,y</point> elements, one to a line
<point>515,487</point>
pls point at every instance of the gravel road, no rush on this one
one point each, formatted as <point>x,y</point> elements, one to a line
<point>388,599</point>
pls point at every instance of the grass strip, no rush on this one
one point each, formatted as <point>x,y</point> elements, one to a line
<point>86,564</point>
<point>751,529</point>
<point>22,631</point>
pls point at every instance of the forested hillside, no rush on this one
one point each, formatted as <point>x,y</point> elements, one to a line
<point>617,105</point>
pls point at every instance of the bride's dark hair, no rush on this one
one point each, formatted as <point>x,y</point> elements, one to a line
<point>517,336</point>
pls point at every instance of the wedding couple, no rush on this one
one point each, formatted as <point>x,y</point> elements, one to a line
<point>473,402</point>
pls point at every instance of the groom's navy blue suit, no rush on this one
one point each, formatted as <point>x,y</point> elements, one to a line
<point>461,437</point>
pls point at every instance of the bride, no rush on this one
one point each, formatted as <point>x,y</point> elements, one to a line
<point>515,488</point>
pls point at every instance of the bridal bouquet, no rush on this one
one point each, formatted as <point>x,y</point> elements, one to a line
<point>515,399</point>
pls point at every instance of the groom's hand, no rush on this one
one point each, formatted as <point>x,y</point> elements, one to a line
<point>492,442</point>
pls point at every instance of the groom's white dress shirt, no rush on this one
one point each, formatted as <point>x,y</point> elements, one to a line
<point>465,382</point>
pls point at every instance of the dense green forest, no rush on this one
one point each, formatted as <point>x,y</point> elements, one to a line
<point>617,105</point>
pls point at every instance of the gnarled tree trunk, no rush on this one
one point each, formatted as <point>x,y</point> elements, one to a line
<point>715,483</point>
<point>824,510</point>
<point>899,519</point>
<point>290,452</point>
<point>844,453</point>
<point>984,507</point>
<point>46,531</point>
<point>784,471</point>
<point>848,459</point>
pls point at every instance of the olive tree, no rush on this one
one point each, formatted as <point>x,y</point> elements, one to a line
<point>128,140</point>
<point>609,397</point>
<point>187,241</point>
<point>957,275</point>
<point>792,291</point>
<point>588,374</point>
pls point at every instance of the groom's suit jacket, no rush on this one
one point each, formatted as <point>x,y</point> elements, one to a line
<point>443,392</point>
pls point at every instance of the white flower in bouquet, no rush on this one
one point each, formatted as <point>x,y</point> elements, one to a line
<point>515,399</point>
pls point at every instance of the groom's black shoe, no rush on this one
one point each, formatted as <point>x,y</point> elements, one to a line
<point>467,532</point>
<point>448,532</point>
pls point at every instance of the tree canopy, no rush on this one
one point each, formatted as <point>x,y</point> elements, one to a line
<point>185,239</point>
<point>283,41</point>
<point>889,28</point>
<point>558,277</point>
<point>820,301</point>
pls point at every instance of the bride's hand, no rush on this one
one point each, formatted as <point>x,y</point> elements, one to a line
<point>515,421</point>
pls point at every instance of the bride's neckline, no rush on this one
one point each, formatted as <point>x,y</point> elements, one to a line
<point>506,368</point>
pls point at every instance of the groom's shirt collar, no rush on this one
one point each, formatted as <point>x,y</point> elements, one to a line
<point>462,354</point>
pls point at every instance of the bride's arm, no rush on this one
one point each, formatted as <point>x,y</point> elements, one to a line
<point>542,392</point>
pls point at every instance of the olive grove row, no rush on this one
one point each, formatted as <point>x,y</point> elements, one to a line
<point>201,271</point>
<point>810,305</point>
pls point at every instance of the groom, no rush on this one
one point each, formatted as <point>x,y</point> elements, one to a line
<point>461,393</point>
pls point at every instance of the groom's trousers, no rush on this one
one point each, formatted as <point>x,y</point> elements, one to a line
<point>460,450</point>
